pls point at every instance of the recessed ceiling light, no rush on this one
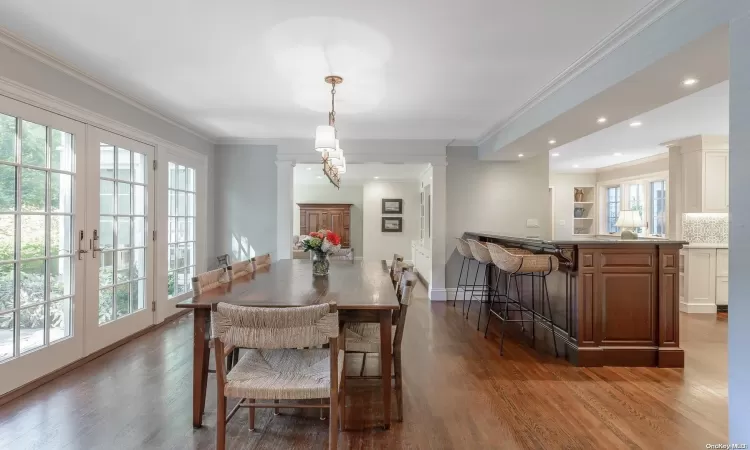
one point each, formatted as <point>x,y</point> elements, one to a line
<point>520,155</point>
<point>376,177</point>
<point>689,81</point>
<point>618,154</point>
<point>309,168</point>
<point>319,176</point>
<point>635,124</point>
<point>555,154</point>
<point>552,142</point>
<point>601,120</point>
<point>575,166</point>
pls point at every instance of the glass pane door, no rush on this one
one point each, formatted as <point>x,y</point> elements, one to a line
<point>121,221</point>
<point>40,233</point>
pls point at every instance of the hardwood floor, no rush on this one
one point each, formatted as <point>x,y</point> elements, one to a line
<point>458,393</point>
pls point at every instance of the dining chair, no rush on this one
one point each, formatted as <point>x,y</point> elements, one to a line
<point>364,338</point>
<point>278,364</point>
<point>207,281</point>
<point>400,268</point>
<point>261,261</point>
<point>396,259</point>
<point>242,268</point>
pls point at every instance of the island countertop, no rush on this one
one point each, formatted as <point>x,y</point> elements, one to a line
<point>582,240</point>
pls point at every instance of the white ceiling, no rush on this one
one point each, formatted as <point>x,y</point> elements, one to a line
<point>419,69</point>
<point>704,112</point>
<point>358,174</point>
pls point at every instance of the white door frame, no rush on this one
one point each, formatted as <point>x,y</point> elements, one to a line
<point>100,336</point>
<point>165,307</point>
<point>24,368</point>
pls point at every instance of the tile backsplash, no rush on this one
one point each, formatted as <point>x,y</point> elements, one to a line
<point>705,228</point>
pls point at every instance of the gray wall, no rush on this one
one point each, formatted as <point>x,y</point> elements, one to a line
<point>245,204</point>
<point>28,71</point>
<point>739,212</point>
<point>493,196</point>
<point>312,193</point>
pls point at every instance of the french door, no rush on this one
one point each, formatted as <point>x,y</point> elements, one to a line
<point>42,237</point>
<point>120,221</point>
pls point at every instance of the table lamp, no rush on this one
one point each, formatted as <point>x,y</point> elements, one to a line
<point>628,221</point>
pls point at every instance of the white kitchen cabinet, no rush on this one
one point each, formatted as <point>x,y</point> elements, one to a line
<point>704,279</point>
<point>705,181</point>
<point>422,261</point>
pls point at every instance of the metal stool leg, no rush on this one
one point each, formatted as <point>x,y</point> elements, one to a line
<point>492,300</point>
<point>458,284</point>
<point>463,304</point>
<point>473,287</point>
<point>484,286</point>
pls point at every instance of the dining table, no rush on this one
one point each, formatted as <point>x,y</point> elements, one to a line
<point>363,292</point>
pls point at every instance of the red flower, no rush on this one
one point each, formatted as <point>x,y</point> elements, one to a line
<point>315,234</point>
<point>333,238</point>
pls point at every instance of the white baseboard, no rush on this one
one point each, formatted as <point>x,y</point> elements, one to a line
<point>358,258</point>
<point>698,308</point>
<point>438,295</point>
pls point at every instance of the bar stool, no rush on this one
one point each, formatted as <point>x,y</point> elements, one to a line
<point>482,256</point>
<point>515,265</point>
<point>464,250</point>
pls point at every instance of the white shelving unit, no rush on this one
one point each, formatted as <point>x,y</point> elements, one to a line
<point>584,211</point>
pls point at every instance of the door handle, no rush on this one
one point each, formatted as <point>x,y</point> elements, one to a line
<point>81,250</point>
<point>95,244</point>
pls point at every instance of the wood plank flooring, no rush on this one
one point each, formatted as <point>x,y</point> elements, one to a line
<point>458,394</point>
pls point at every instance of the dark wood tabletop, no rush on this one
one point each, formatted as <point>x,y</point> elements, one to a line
<point>358,286</point>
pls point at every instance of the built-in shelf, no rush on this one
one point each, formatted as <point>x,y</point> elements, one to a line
<point>584,203</point>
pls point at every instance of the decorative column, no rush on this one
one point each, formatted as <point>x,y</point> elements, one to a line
<point>284,208</point>
<point>438,221</point>
<point>739,225</point>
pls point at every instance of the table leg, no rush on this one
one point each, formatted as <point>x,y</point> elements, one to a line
<point>385,365</point>
<point>200,364</point>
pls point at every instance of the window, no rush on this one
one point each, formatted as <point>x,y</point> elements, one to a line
<point>181,213</point>
<point>613,208</point>
<point>658,222</point>
<point>636,202</point>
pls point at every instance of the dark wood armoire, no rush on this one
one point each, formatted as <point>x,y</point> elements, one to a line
<point>330,216</point>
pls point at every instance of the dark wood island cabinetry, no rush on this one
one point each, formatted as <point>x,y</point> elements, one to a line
<point>614,302</point>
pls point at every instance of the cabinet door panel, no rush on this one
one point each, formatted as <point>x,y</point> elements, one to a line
<point>716,196</point>
<point>722,290</point>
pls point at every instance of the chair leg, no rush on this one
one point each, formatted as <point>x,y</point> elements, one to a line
<point>221,421</point>
<point>251,416</point>
<point>333,426</point>
<point>463,303</point>
<point>342,400</point>
<point>323,409</point>
<point>276,410</point>
<point>458,284</point>
<point>473,286</point>
<point>399,392</point>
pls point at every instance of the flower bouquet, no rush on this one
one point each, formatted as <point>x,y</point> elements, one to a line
<point>321,243</point>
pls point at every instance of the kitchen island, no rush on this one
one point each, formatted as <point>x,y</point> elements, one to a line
<point>613,302</point>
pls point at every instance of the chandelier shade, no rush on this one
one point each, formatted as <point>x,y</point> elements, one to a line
<point>325,138</point>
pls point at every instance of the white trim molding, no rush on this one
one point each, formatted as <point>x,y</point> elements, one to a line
<point>634,25</point>
<point>34,97</point>
<point>24,47</point>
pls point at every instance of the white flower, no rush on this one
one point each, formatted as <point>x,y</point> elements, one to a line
<point>325,246</point>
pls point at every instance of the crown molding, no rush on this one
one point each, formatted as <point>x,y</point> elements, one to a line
<point>21,92</point>
<point>247,141</point>
<point>20,45</point>
<point>627,30</point>
<point>635,162</point>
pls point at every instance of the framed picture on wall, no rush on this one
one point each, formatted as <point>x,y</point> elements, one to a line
<point>391,225</point>
<point>393,206</point>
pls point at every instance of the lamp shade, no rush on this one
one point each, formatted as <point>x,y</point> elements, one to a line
<point>325,138</point>
<point>629,219</point>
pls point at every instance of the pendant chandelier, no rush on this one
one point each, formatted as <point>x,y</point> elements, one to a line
<point>326,140</point>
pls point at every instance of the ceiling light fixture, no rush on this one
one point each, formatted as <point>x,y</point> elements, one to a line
<point>309,168</point>
<point>555,154</point>
<point>689,81</point>
<point>376,177</point>
<point>326,142</point>
<point>552,142</point>
<point>635,124</point>
<point>601,120</point>
<point>575,166</point>
<point>618,154</point>
<point>520,155</point>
